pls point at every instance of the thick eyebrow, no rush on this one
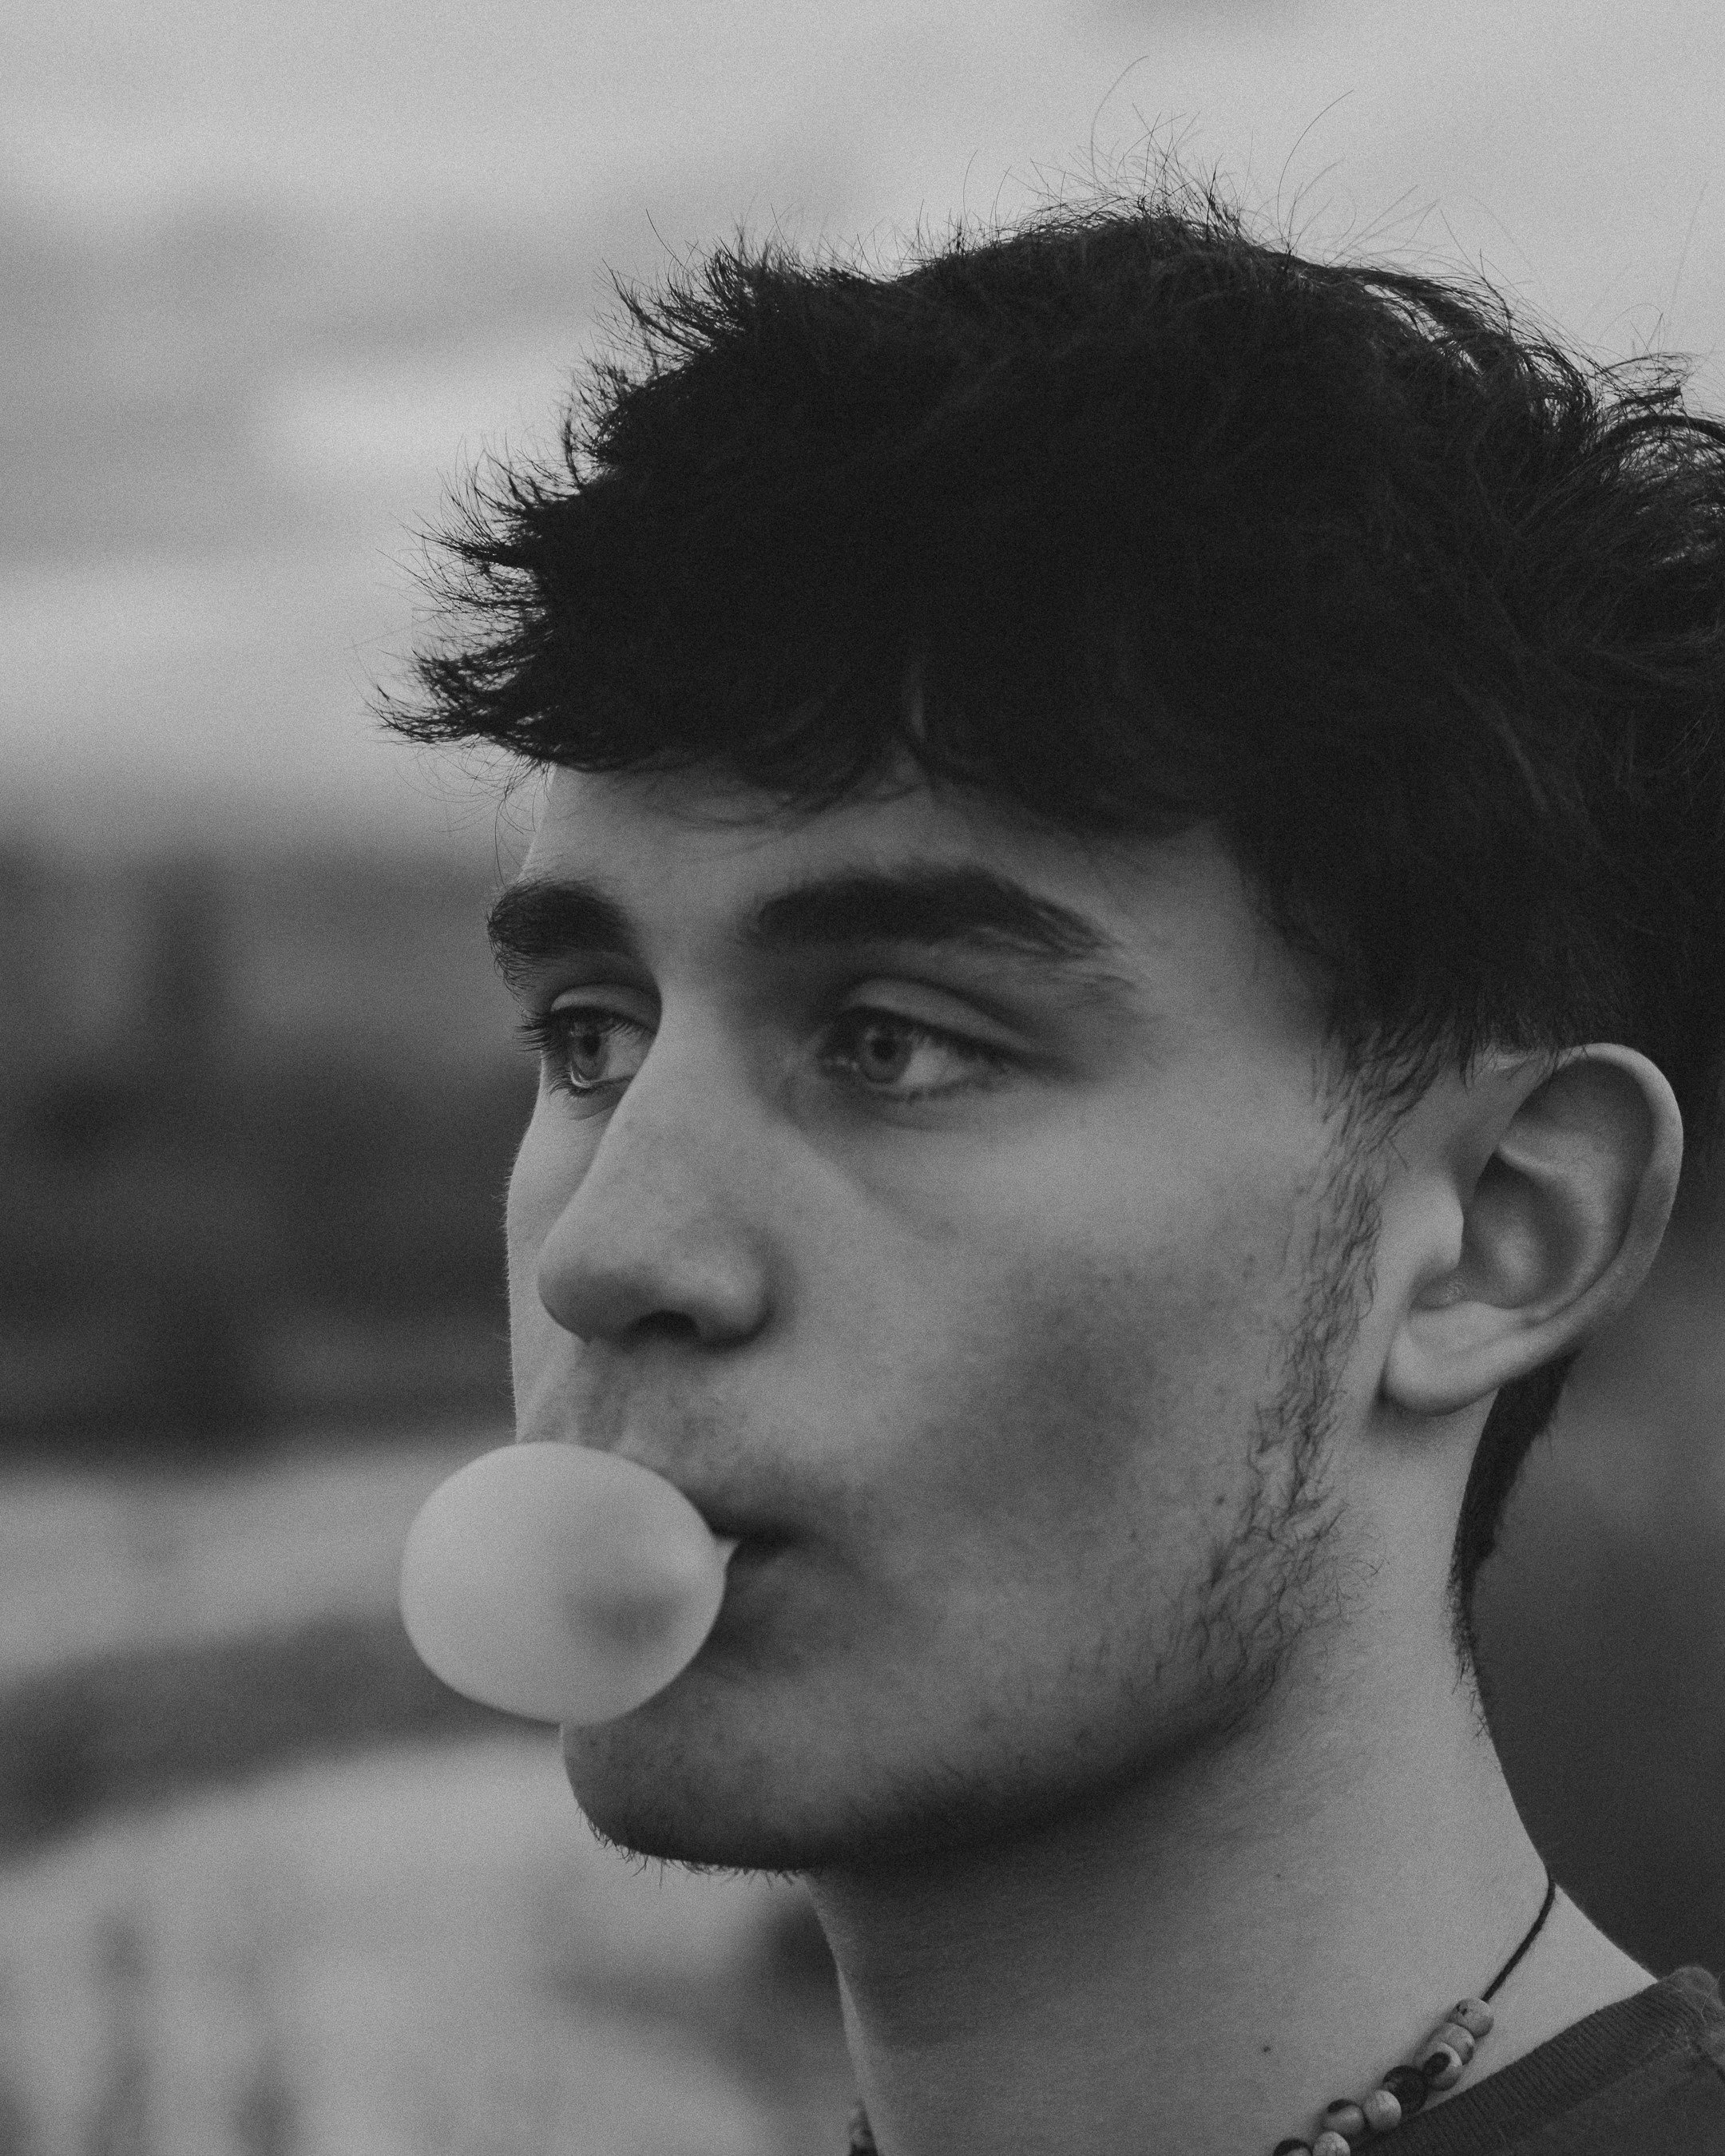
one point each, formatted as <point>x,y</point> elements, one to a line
<point>933,906</point>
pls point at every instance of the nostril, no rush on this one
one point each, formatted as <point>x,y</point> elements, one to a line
<point>677,1324</point>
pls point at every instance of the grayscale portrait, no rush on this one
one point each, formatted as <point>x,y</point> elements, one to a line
<point>863,1023</point>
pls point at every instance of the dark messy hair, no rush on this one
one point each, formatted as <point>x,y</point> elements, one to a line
<point>1132,521</point>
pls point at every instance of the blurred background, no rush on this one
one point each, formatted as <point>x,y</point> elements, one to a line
<point>272,278</point>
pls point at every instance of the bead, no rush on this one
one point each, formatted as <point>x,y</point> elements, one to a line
<point>1293,2148</point>
<point>1474,2015</point>
<point>1407,2084</point>
<point>1329,2142</point>
<point>1346,2118</point>
<point>1450,2036</point>
<point>1454,2038</point>
<point>1440,2067</point>
<point>1382,2111</point>
<point>1458,2040</point>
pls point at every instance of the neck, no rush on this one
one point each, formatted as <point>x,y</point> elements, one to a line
<point>1207,1958</point>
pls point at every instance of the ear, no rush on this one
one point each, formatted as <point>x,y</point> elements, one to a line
<point>1557,1229</point>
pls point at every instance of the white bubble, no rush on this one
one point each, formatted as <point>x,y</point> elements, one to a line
<point>559,1583</point>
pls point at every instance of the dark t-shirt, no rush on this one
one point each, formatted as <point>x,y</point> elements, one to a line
<point>1645,2077</point>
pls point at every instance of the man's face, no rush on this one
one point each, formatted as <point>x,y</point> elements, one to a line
<point>960,1286</point>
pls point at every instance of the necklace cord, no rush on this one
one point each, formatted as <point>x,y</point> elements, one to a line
<point>1534,1930</point>
<point>862,2139</point>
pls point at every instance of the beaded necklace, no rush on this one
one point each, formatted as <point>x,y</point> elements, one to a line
<point>1438,2063</point>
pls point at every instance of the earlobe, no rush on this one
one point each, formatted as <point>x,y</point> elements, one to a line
<point>1558,1229</point>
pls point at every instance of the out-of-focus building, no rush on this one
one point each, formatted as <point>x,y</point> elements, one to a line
<point>255,1120</point>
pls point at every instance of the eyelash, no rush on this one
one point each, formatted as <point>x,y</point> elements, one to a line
<point>547,1034</point>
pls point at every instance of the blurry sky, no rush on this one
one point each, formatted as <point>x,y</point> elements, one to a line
<point>273,276</point>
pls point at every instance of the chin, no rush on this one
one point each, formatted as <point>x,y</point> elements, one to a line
<point>687,1782</point>
<point>656,1792</point>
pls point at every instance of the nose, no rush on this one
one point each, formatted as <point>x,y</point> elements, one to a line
<point>661,1232</point>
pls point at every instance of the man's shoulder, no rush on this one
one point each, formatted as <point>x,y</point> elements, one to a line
<point>1643,2077</point>
<point>1679,2107</point>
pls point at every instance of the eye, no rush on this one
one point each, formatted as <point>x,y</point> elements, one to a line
<point>574,1043</point>
<point>886,1046</point>
<point>581,1046</point>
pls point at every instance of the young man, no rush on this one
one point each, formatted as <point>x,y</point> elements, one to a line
<point>1125,927</point>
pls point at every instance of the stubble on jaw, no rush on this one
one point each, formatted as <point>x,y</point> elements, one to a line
<point>1278,1573</point>
<point>1273,1572</point>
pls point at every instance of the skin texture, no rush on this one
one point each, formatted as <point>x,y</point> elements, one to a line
<point>1095,1432</point>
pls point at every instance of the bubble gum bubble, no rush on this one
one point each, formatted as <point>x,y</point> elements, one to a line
<point>559,1583</point>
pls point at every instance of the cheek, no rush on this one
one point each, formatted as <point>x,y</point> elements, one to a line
<point>540,1184</point>
<point>1095,1394</point>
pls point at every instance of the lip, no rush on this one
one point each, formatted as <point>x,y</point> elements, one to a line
<point>749,1550</point>
<point>751,1538</point>
<point>758,1545</point>
<point>752,1568</point>
<point>727,1519</point>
